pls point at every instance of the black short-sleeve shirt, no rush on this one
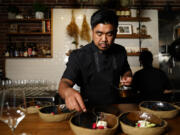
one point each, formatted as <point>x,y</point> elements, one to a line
<point>97,72</point>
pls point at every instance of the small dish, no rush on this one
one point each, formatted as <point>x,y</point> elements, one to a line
<point>161,109</point>
<point>55,113</point>
<point>82,124</point>
<point>129,120</point>
<point>34,106</point>
<point>177,105</point>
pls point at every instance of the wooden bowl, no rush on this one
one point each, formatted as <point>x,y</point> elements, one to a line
<point>111,109</point>
<point>161,109</point>
<point>177,105</point>
<point>55,113</point>
<point>128,122</point>
<point>34,106</point>
<point>112,122</point>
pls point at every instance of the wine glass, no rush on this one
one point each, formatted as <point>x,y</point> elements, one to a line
<point>12,107</point>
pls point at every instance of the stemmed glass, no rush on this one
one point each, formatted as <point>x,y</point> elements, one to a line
<point>12,107</point>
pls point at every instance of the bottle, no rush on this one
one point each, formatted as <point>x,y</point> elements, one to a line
<point>29,51</point>
<point>48,26</point>
<point>34,50</point>
<point>143,30</point>
<point>43,26</point>
<point>11,51</point>
<point>6,54</point>
<point>16,51</point>
<point>25,50</point>
<point>48,52</point>
<point>21,50</point>
<point>127,12</point>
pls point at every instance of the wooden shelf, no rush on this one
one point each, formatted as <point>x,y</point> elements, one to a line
<point>29,33</point>
<point>133,36</point>
<point>27,20</point>
<point>20,57</point>
<point>134,19</point>
<point>133,54</point>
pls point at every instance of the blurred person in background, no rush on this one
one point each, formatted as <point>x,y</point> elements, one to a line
<point>151,83</point>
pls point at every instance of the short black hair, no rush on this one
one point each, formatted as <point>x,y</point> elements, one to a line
<point>146,58</point>
<point>104,16</point>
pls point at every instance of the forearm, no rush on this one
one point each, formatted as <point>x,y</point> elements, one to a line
<point>64,85</point>
<point>73,99</point>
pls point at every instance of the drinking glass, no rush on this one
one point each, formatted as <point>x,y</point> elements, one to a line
<point>12,107</point>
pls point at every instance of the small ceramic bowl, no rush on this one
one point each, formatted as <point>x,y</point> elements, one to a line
<point>129,120</point>
<point>112,109</point>
<point>55,113</point>
<point>82,124</point>
<point>177,105</point>
<point>34,106</point>
<point>161,109</point>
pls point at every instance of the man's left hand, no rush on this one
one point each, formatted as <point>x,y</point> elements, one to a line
<point>126,80</point>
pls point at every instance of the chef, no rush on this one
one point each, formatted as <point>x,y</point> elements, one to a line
<point>96,67</point>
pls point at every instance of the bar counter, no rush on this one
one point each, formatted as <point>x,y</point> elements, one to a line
<point>34,125</point>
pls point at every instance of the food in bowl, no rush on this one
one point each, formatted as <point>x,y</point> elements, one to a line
<point>144,124</point>
<point>55,113</point>
<point>129,123</point>
<point>159,108</point>
<point>93,124</point>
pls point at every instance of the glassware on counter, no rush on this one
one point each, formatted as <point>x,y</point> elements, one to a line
<point>11,102</point>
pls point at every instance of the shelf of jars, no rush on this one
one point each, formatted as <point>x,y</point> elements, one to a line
<point>133,54</point>
<point>133,36</point>
<point>134,51</point>
<point>28,50</point>
<point>25,38</point>
<point>23,57</point>
<point>29,33</point>
<point>134,19</point>
<point>27,20</point>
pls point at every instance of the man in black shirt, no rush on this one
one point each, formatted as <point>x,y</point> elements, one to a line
<point>96,67</point>
<point>152,83</point>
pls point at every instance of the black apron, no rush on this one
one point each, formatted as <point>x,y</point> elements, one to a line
<point>99,87</point>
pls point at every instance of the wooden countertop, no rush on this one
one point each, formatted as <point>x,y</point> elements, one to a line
<point>34,125</point>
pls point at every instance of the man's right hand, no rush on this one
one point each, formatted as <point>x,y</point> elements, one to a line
<point>72,97</point>
<point>74,100</point>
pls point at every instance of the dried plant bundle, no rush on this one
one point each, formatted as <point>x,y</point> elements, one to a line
<point>85,31</point>
<point>72,29</point>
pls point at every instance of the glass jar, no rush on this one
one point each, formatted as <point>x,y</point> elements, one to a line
<point>125,91</point>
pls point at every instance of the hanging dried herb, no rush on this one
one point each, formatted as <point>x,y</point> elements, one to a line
<point>73,30</point>
<point>85,31</point>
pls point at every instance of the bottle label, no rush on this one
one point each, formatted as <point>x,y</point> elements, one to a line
<point>25,54</point>
<point>29,51</point>
<point>7,54</point>
<point>48,26</point>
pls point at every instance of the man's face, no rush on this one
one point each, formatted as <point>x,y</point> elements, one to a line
<point>103,36</point>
